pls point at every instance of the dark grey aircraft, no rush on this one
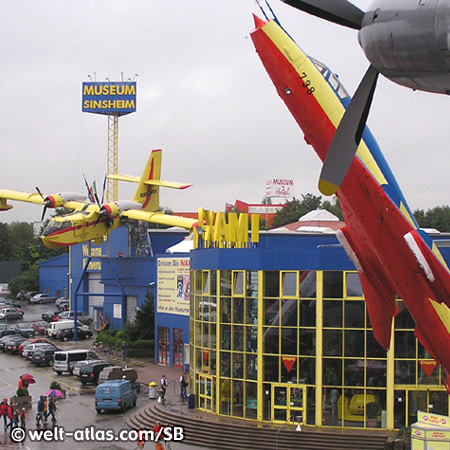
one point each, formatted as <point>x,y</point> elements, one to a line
<point>407,41</point>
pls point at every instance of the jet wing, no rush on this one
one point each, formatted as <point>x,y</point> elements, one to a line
<point>160,218</point>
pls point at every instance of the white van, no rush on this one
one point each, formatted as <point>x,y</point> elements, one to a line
<point>54,327</point>
<point>65,361</point>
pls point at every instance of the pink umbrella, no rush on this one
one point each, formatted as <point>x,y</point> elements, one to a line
<point>54,393</point>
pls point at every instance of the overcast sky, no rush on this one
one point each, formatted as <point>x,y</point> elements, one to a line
<point>203,97</point>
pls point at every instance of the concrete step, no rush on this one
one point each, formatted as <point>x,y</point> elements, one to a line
<point>243,435</point>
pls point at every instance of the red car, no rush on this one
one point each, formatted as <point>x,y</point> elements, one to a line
<point>40,327</point>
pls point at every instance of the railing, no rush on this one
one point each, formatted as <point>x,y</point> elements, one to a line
<point>289,419</point>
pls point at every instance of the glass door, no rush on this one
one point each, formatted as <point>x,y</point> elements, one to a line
<point>164,346</point>
<point>177,347</point>
<point>205,392</point>
<point>289,403</point>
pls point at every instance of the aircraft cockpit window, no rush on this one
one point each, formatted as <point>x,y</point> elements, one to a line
<point>54,226</point>
<point>331,78</point>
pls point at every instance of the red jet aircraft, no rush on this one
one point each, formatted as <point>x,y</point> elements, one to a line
<point>394,258</point>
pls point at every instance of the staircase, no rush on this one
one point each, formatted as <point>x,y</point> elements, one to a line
<point>210,431</point>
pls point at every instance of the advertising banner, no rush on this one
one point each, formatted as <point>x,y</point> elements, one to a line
<point>279,187</point>
<point>174,286</point>
<point>109,97</point>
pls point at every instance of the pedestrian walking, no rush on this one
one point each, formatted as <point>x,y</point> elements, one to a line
<point>183,386</point>
<point>4,411</point>
<point>23,424</point>
<point>16,418</point>
<point>51,409</point>
<point>10,413</point>
<point>163,386</point>
<point>124,350</point>
<point>40,412</point>
<point>141,438</point>
<point>45,410</point>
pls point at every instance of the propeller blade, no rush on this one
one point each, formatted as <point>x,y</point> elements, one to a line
<point>43,213</point>
<point>39,192</point>
<point>103,189</point>
<point>341,12</point>
<point>348,135</point>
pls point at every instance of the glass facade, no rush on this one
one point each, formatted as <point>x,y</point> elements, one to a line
<point>298,346</point>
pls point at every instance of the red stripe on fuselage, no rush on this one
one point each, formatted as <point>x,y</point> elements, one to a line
<point>149,187</point>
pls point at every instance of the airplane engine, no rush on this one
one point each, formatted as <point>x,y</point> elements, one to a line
<point>408,42</point>
<point>57,200</point>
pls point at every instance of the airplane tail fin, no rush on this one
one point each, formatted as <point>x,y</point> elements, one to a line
<point>147,191</point>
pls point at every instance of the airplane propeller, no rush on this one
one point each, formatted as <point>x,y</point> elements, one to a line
<point>349,132</point>
<point>105,216</point>
<point>47,203</point>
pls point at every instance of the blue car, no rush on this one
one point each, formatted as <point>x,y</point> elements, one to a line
<point>115,395</point>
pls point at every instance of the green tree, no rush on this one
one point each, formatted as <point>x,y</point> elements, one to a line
<point>437,217</point>
<point>295,209</point>
<point>143,326</point>
<point>333,207</point>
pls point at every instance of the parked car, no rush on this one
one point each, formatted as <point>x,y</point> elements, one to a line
<point>65,361</point>
<point>12,346</point>
<point>7,331</point>
<point>89,372</point>
<point>42,298</point>
<point>30,294</point>
<point>11,303</point>
<point>51,316</point>
<point>67,334</point>
<point>32,341</point>
<point>5,339</point>
<point>77,367</point>
<point>29,349</point>
<point>83,317</point>
<point>61,301</point>
<point>120,373</point>
<point>40,327</point>
<point>43,355</point>
<point>54,327</point>
<point>115,395</point>
<point>10,314</point>
<point>25,329</point>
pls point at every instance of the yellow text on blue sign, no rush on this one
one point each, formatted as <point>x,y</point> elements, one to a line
<point>225,230</point>
<point>109,97</point>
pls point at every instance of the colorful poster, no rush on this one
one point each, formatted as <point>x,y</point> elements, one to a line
<point>174,288</point>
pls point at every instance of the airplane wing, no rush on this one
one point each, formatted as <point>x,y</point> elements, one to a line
<point>68,199</point>
<point>159,218</point>
<point>162,183</point>
<point>6,194</point>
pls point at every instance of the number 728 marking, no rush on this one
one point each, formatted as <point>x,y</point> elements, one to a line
<point>307,84</point>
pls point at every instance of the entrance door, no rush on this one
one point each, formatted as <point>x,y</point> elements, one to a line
<point>177,347</point>
<point>289,403</point>
<point>164,346</point>
<point>205,392</point>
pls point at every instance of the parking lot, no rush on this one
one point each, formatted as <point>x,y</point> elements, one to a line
<point>76,411</point>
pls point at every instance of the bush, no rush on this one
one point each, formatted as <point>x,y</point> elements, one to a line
<point>22,393</point>
<point>55,385</point>
<point>141,348</point>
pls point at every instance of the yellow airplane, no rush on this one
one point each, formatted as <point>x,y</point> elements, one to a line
<point>91,220</point>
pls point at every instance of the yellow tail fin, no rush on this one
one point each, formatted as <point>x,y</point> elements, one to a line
<point>147,191</point>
